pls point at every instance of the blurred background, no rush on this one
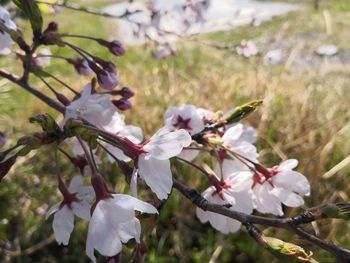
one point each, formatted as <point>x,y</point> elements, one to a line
<point>305,115</point>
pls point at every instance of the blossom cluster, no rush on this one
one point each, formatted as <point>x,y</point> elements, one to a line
<point>93,121</point>
<point>237,178</point>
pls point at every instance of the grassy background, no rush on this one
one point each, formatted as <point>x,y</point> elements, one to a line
<point>305,116</point>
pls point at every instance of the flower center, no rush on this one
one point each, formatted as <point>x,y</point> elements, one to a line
<point>182,123</point>
<point>262,175</point>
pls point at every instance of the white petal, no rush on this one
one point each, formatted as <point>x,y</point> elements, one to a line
<point>133,183</point>
<point>75,184</point>
<point>249,134</point>
<point>265,202</point>
<point>233,134</point>
<point>117,153</point>
<point>130,230</point>
<point>157,175</point>
<point>103,228</point>
<point>292,181</point>
<point>287,197</point>
<point>63,224</point>
<point>288,164</point>
<point>53,209</point>
<point>82,210</point>
<point>130,202</point>
<point>165,144</point>
<point>188,155</point>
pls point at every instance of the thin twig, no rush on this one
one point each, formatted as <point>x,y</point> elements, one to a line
<point>88,10</point>
<point>20,82</point>
<point>287,223</point>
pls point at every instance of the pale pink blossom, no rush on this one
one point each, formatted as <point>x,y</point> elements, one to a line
<point>247,48</point>
<point>273,57</point>
<point>184,117</point>
<point>113,222</point>
<point>5,40</point>
<point>76,202</point>
<point>239,138</point>
<point>277,185</point>
<point>153,163</point>
<point>131,132</point>
<point>235,190</point>
<point>95,108</point>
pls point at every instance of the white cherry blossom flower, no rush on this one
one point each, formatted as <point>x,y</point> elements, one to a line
<point>235,189</point>
<point>278,185</point>
<point>247,48</point>
<point>113,222</point>
<point>273,57</point>
<point>153,161</point>
<point>239,138</point>
<point>76,202</point>
<point>184,117</point>
<point>94,108</point>
<point>5,40</point>
<point>131,132</point>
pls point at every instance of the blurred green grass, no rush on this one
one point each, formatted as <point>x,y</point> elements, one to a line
<point>305,116</point>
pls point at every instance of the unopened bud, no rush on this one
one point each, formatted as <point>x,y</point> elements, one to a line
<point>50,35</point>
<point>106,77</point>
<point>81,66</point>
<point>115,46</point>
<point>287,249</point>
<point>47,123</point>
<point>340,210</point>
<point>242,111</point>
<point>127,93</point>
<point>122,104</point>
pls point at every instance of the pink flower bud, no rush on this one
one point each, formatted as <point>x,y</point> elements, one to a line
<point>127,93</point>
<point>115,46</point>
<point>122,104</point>
<point>105,72</point>
<point>81,66</point>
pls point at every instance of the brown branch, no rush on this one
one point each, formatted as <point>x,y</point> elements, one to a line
<point>88,10</point>
<point>287,223</point>
<point>22,83</point>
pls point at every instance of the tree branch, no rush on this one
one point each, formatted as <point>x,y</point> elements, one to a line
<point>88,10</point>
<point>22,83</point>
<point>287,223</point>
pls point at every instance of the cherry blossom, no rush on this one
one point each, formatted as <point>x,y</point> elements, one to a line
<point>131,132</point>
<point>234,190</point>
<point>113,222</point>
<point>76,201</point>
<point>239,138</point>
<point>153,161</point>
<point>277,185</point>
<point>184,117</point>
<point>94,108</point>
<point>247,48</point>
<point>5,40</point>
<point>273,57</point>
